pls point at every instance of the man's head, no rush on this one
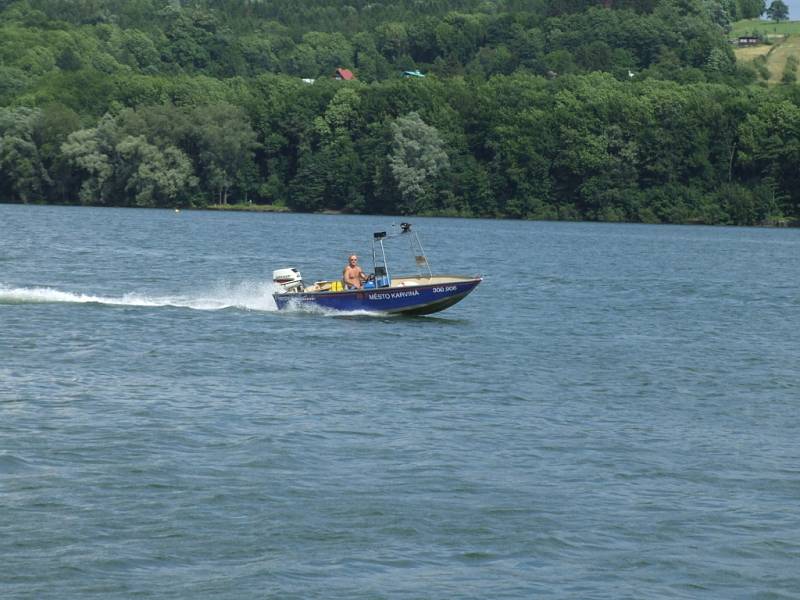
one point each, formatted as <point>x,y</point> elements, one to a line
<point>353,259</point>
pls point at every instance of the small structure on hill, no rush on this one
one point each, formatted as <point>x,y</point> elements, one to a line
<point>344,74</point>
<point>748,40</point>
<point>414,73</point>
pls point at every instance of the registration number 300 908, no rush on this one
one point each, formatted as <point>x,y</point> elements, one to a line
<point>443,289</point>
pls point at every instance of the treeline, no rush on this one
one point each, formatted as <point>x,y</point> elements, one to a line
<point>626,111</point>
<point>48,47</point>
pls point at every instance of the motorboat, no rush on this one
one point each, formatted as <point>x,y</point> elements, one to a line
<point>422,293</point>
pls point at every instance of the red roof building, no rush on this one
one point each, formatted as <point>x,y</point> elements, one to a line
<point>344,74</point>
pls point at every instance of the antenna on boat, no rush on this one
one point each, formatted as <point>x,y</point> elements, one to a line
<point>416,248</point>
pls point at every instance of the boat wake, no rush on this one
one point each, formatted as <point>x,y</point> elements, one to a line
<point>311,309</point>
<point>255,296</point>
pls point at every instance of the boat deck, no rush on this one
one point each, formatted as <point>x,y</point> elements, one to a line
<point>403,281</point>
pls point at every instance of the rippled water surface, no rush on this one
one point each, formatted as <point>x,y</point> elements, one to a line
<point>613,413</point>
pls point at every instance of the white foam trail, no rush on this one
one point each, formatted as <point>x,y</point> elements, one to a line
<point>313,309</point>
<point>245,295</point>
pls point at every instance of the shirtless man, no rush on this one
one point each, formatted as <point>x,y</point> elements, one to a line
<point>352,275</point>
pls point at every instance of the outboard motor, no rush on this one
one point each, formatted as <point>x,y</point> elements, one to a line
<point>288,280</point>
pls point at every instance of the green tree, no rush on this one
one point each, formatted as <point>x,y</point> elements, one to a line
<point>418,157</point>
<point>155,177</point>
<point>720,13</point>
<point>790,70</point>
<point>770,152</point>
<point>223,143</point>
<point>23,177</point>
<point>190,37</point>
<point>52,127</point>
<point>330,173</point>
<point>778,11</point>
<point>392,40</point>
<point>751,9</point>
<point>92,152</point>
<point>327,51</point>
<point>137,49</point>
<point>518,142</point>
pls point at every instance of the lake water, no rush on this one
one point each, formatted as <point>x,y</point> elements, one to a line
<point>614,413</point>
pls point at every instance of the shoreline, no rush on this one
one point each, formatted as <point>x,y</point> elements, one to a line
<point>784,223</point>
<point>249,207</point>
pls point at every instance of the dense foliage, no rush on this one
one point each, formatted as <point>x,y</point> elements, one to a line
<point>616,110</point>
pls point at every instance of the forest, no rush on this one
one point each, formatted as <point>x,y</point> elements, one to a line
<point>609,110</point>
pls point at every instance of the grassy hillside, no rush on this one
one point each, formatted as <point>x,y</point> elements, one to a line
<point>780,54</point>
<point>758,26</point>
<point>771,58</point>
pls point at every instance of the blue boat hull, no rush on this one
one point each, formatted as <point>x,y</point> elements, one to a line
<point>417,299</point>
